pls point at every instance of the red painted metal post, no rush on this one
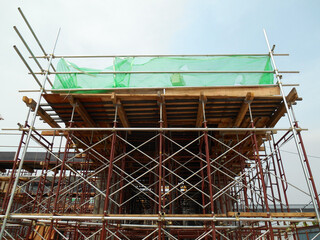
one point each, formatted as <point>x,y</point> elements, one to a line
<point>16,162</point>
<point>109,177</point>
<point>202,185</point>
<point>260,169</point>
<point>160,212</point>
<point>206,142</point>
<point>308,166</point>
<point>62,171</point>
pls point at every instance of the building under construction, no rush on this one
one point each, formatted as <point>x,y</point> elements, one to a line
<point>155,147</point>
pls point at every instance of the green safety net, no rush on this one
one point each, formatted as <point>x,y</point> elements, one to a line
<point>88,78</point>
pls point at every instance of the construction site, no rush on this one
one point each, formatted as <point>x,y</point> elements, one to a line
<point>155,147</point>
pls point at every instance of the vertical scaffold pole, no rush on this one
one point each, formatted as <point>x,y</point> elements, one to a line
<point>160,176</point>
<point>202,185</point>
<point>109,176</point>
<point>294,132</point>
<point>7,214</point>
<point>15,164</point>
<point>260,172</point>
<point>61,175</point>
<point>306,159</point>
<point>206,142</point>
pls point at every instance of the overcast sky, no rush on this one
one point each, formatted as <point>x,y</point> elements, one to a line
<point>169,27</point>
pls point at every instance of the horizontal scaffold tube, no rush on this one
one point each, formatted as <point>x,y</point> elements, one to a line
<point>74,223</point>
<point>157,72</point>
<point>160,129</point>
<point>157,218</point>
<point>164,55</point>
<point>154,88</point>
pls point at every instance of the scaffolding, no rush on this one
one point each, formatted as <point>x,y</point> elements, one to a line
<point>154,163</point>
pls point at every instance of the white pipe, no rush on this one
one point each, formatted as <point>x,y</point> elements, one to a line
<point>159,129</point>
<point>161,218</point>
<point>153,88</point>
<point>164,55</point>
<point>158,72</point>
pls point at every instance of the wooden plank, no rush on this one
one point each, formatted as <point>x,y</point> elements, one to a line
<point>80,109</point>
<point>54,133</point>
<point>192,92</point>
<point>272,214</point>
<point>291,98</point>
<point>41,113</point>
<point>243,109</point>
<point>227,91</point>
<point>8,178</point>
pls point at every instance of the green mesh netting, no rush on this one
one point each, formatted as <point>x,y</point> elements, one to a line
<point>226,63</point>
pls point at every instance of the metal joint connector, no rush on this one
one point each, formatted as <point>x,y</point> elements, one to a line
<point>74,105</point>
<point>20,126</point>
<point>161,217</point>
<point>203,100</point>
<point>160,103</point>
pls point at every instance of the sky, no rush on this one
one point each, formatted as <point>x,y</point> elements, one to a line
<point>168,27</point>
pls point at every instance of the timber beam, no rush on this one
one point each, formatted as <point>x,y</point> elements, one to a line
<point>80,109</point>
<point>291,98</point>
<point>121,112</point>
<point>244,108</point>
<point>41,113</point>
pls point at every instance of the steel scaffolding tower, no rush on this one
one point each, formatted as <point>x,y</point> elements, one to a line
<point>154,163</point>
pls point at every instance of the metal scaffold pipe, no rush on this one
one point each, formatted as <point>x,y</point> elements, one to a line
<point>7,214</point>
<point>156,218</point>
<point>164,55</point>
<point>270,130</point>
<point>293,129</point>
<point>36,38</point>
<point>149,88</point>
<point>159,72</point>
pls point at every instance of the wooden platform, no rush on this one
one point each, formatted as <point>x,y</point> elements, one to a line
<point>225,107</point>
